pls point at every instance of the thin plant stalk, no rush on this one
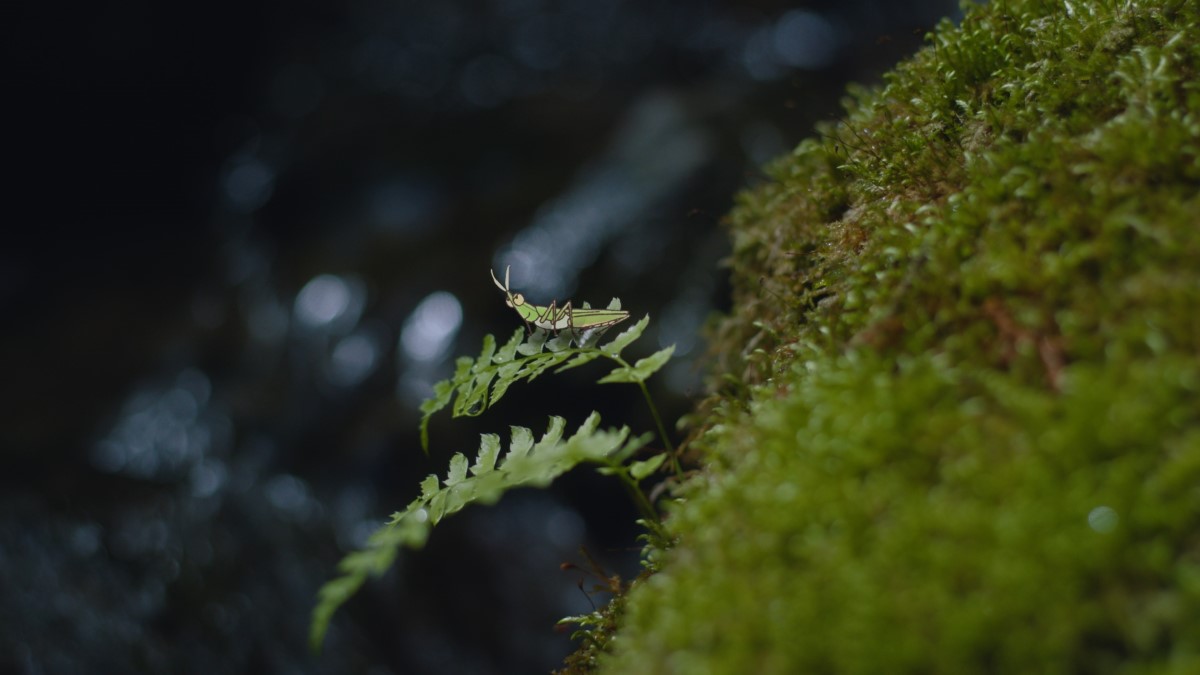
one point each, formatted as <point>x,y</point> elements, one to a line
<point>662,430</point>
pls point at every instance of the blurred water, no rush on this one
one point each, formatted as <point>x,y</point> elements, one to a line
<point>257,235</point>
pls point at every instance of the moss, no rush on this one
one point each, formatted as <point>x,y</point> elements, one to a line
<point>917,516</point>
<point>968,328</point>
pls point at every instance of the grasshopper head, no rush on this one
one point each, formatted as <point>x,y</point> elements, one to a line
<point>511,299</point>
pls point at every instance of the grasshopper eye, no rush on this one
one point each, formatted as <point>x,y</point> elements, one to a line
<point>517,300</point>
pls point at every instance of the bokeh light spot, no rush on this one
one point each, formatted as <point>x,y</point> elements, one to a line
<point>432,326</point>
<point>248,185</point>
<point>1103,519</point>
<point>322,300</point>
<point>804,40</point>
<point>353,359</point>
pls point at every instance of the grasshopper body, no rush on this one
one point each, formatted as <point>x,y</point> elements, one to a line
<point>553,318</point>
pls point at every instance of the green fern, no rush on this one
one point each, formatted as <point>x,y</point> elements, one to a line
<point>526,464</point>
<point>479,383</point>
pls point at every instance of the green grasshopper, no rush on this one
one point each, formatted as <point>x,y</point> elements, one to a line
<point>553,318</point>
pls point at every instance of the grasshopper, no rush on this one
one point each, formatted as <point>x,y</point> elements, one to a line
<point>553,318</point>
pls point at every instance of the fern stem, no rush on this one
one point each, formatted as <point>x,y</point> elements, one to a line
<point>662,431</point>
<point>644,506</point>
<point>649,513</point>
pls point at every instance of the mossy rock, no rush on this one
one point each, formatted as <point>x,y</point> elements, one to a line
<point>958,425</point>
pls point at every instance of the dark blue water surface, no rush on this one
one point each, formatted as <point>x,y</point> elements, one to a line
<point>245,238</point>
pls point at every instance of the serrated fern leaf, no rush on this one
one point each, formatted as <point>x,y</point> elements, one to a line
<point>489,451</point>
<point>479,383</point>
<point>640,470</point>
<point>527,463</point>
<point>626,338</point>
<point>641,370</point>
<point>579,360</point>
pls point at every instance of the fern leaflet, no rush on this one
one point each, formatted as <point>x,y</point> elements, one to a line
<point>483,482</point>
<point>479,383</point>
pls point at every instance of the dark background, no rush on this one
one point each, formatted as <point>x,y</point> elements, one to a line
<point>241,242</point>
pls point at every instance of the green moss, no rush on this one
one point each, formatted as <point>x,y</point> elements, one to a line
<point>915,516</point>
<point>969,320</point>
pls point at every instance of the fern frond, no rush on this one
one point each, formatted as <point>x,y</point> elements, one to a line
<point>642,370</point>
<point>479,383</point>
<point>525,464</point>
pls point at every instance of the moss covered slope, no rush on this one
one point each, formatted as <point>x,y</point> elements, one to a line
<point>961,431</point>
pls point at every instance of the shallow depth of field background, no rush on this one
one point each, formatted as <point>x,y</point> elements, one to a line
<point>244,240</point>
